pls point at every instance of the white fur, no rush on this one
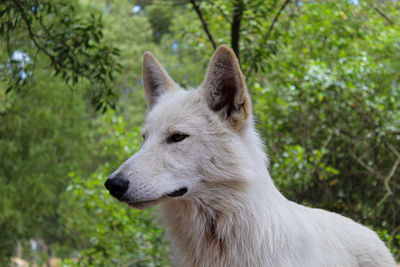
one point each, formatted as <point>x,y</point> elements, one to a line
<point>232,214</point>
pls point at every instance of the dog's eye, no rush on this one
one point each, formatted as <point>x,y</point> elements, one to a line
<point>176,137</point>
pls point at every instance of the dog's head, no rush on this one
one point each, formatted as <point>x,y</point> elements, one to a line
<point>191,140</point>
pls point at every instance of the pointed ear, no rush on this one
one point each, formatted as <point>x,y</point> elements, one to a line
<point>225,89</point>
<point>156,80</point>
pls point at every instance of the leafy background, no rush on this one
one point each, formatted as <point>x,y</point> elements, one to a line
<point>324,81</point>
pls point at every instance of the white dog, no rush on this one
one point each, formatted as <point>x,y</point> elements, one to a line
<point>203,161</point>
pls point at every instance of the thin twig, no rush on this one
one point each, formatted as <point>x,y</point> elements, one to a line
<point>394,150</point>
<point>386,181</point>
<point>8,32</point>
<point>41,48</point>
<point>266,37</point>
<point>31,33</point>
<point>204,23</point>
<point>362,163</point>
<point>324,146</point>
<point>381,13</point>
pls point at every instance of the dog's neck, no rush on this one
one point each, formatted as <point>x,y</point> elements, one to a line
<point>209,230</point>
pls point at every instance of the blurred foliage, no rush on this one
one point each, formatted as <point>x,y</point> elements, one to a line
<point>103,231</point>
<point>44,133</point>
<point>324,81</point>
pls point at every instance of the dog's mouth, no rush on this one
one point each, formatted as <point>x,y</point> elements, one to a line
<point>149,203</point>
<point>144,204</point>
<point>178,193</point>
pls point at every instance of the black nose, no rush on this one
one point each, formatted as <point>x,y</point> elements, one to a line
<point>117,186</point>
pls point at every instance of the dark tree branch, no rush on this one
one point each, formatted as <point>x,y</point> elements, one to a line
<point>76,60</point>
<point>31,33</point>
<point>8,33</point>
<point>235,26</point>
<point>386,180</point>
<point>381,13</point>
<point>267,36</point>
<point>204,23</point>
<point>39,47</point>
<point>275,20</point>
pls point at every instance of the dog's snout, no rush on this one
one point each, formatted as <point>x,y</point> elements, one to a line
<point>117,186</point>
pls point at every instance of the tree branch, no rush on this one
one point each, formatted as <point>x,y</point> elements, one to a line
<point>39,47</point>
<point>380,12</point>
<point>31,33</point>
<point>386,181</point>
<point>235,26</point>
<point>204,23</point>
<point>394,150</point>
<point>266,36</point>
<point>362,163</point>
<point>387,178</point>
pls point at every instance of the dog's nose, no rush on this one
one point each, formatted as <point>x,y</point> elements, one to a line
<point>117,186</point>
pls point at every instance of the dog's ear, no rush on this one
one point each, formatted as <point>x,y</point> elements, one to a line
<point>156,80</point>
<point>225,89</point>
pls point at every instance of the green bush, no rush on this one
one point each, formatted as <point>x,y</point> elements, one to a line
<point>330,115</point>
<point>102,231</point>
